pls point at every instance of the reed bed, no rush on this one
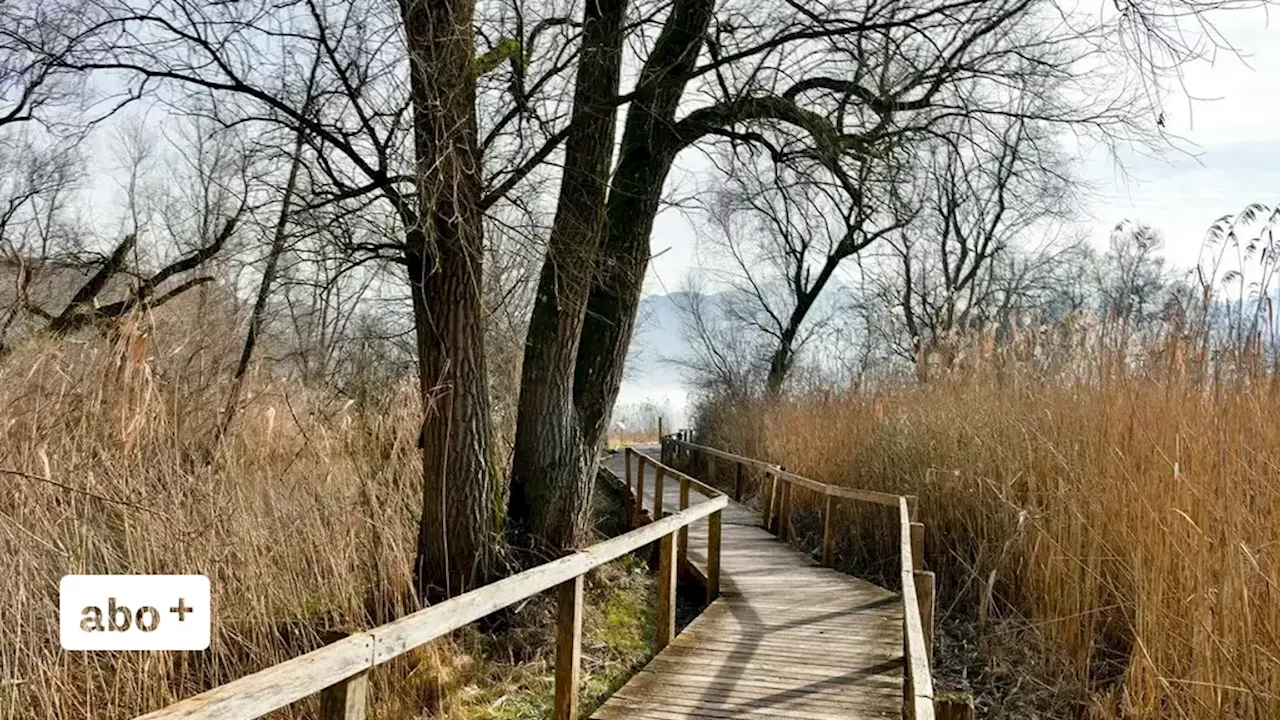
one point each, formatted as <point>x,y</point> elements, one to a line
<point>1126,511</point>
<point>304,517</point>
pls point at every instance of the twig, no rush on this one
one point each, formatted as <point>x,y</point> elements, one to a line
<point>55,483</point>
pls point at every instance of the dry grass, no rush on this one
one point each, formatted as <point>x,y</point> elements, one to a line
<point>1129,519</point>
<point>304,520</point>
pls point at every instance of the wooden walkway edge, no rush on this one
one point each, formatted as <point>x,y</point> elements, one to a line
<point>787,638</point>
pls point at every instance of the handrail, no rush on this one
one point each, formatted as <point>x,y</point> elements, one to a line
<point>340,668</point>
<point>871,496</point>
<point>705,489</point>
<point>917,583</point>
<point>919,673</point>
<point>635,511</point>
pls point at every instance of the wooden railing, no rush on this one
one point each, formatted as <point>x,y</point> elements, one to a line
<point>775,501</point>
<point>340,672</point>
<point>635,499</point>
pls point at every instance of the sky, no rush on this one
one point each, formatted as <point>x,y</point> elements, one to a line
<point>1224,114</point>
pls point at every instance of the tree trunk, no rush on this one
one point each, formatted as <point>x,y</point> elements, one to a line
<point>779,367</point>
<point>649,146</point>
<point>554,467</point>
<point>461,499</point>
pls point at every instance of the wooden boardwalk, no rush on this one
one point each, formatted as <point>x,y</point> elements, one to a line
<point>786,639</point>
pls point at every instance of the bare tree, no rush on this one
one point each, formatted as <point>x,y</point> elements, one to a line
<point>978,192</point>
<point>786,233</point>
<point>396,126</point>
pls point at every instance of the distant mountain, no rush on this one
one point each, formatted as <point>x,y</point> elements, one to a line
<point>651,378</point>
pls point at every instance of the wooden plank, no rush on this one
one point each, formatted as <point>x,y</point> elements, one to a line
<point>568,649</point>
<point>666,592</point>
<point>624,708</point>
<point>347,700</point>
<point>256,695</point>
<point>687,686</point>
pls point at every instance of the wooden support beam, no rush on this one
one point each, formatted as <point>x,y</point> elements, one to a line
<point>639,489</point>
<point>711,470</point>
<point>925,598</point>
<point>713,556</point>
<point>784,514</point>
<point>659,428</point>
<point>828,531</point>
<point>737,482</point>
<point>766,499</point>
<point>659,474</point>
<point>666,591</point>
<point>346,700</point>
<point>628,500</point>
<point>917,546</point>
<point>568,649</point>
<point>682,549</point>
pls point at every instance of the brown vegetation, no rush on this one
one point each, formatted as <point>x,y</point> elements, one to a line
<point>1124,515</point>
<point>304,519</point>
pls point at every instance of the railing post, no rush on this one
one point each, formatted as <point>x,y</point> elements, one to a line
<point>659,474</point>
<point>346,700</point>
<point>771,481</point>
<point>737,482</point>
<point>924,598</point>
<point>784,512</point>
<point>628,500</point>
<point>568,649</point>
<point>666,591</point>
<point>659,429</point>
<point>682,549</point>
<point>639,489</point>
<point>828,531</point>
<point>917,546</point>
<point>713,556</point>
<point>711,470</point>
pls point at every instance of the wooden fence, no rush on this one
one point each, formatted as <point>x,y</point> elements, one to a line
<point>776,504</point>
<point>340,672</point>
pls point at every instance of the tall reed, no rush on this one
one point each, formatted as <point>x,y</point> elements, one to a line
<point>1128,509</point>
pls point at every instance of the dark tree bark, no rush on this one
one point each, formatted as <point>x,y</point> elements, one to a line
<point>443,253</point>
<point>554,467</point>
<point>650,143</point>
